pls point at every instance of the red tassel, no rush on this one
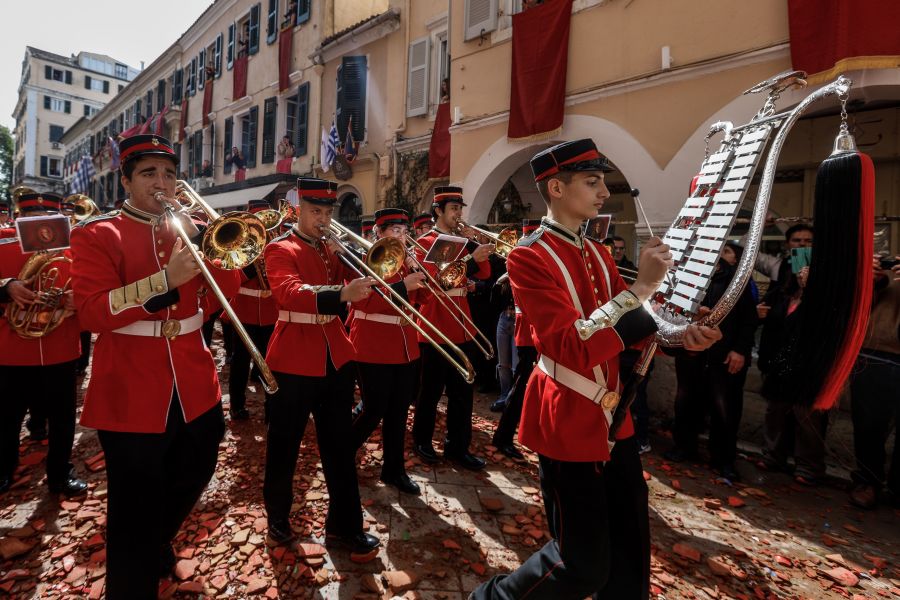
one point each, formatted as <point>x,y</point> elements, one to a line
<point>859,320</point>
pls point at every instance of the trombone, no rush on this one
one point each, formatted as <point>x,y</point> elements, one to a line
<point>85,208</point>
<point>504,241</point>
<point>450,276</point>
<point>384,259</point>
<point>271,220</point>
<point>235,240</point>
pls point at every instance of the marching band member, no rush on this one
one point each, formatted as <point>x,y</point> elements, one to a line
<point>422,224</point>
<point>154,392</point>
<point>5,220</point>
<point>594,492</point>
<point>256,310</point>
<point>438,374</point>
<point>38,371</point>
<point>311,357</point>
<point>387,355</point>
<point>368,229</point>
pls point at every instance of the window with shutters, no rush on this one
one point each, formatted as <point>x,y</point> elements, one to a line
<point>137,112</point>
<point>57,104</point>
<point>54,167</point>
<point>272,22</point>
<point>301,121</point>
<point>96,85</point>
<point>351,97</point>
<point>57,74</point>
<point>253,30</point>
<point>218,55</point>
<point>56,132</point>
<point>480,18</point>
<point>148,107</point>
<point>226,145</point>
<point>197,158</point>
<point>230,57</point>
<point>160,94</point>
<point>192,78</point>
<point>201,68</point>
<point>304,11</point>
<point>248,136</point>
<point>270,107</point>
<point>417,79</point>
<point>177,86</point>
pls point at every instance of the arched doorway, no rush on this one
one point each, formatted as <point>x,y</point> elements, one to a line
<point>349,209</point>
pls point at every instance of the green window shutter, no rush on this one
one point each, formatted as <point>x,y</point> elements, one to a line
<point>68,106</point>
<point>254,29</point>
<point>227,144</point>
<point>105,87</point>
<point>304,8</point>
<point>302,120</point>
<point>251,144</point>
<point>218,55</point>
<point>230,62</point>
<point>352,97</point>
<point>43,166</point>
<point>48,72</point>
<point>87,82</point>
<point>69,77</point>
<point>272,22</point>
<point>46,101</point>
<point>269,112</point>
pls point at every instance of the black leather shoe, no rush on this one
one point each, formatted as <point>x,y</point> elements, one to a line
<point>37,435</point>
<point>166,560</point>
<point>280,532</point>
<point>240,414</point>
<point>466,460</point>
<point>361,543</point>
<point>511,451</point>
<point>498,406</point>
<point>403,483</point>
<point>427,453</point>
<point>70,488</point>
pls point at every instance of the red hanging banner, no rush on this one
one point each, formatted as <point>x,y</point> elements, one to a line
<point>285,47</point>
<point>240,78</point>
<point>830,37</point>
<point>439,149</point>
<point>540,57</point>
<point>207,101</point>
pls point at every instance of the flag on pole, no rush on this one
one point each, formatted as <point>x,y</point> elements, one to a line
<point>349,144</point>
<point>331,145</point>
<point>323,150</point>
<point>113,153</point>
<point>82,182</point>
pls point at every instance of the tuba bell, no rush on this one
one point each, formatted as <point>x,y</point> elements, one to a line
<point>84,208</point>
<point>41,273</point>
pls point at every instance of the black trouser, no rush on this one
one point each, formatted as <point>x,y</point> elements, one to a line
<point>50,388</point>
<point>512,412</point>
<point>792,429</point>
<point>240,363</point>
<point>640,411</point>
<point>704,383</point>
<point>85,357</point>
<point>328,398</point>
<point>438,374</point>
<point>387,391</point>
<point>598,518</point>
<point>875,405</point>
<point>154,481</point>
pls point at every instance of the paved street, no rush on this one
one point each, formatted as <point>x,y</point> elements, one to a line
<point>768,538</point>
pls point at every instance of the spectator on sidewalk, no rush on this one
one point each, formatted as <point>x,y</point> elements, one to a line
<point>789,428</point>
<point>874,402</point>
<point>714,379</point>
<point>778,268</point>
<point>507,357</point>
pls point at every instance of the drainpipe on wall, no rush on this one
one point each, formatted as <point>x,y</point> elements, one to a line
<point>402,128</point>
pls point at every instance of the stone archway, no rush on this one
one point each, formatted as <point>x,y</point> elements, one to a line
<point>349,207</point>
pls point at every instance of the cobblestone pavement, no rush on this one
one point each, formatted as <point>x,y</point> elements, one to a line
<point>768,538</point>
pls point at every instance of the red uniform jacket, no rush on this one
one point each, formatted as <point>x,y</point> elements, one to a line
<point>384,343</point>
<point>254,304</point>
<point>306,278</point>
<point>557,421</point>
<point>433,310</point>
<point>522,335</point>
<point>60,345</point>
<point>133,377</point>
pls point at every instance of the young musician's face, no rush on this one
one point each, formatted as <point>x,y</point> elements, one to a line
<point>422,230</point>
<point>394,231</point>
<point>314,219</point>
<point>152,174</point>
<point>582,197</point>
<point>450,215</point>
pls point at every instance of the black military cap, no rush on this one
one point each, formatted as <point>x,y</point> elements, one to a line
<point>391,216</point>
<point>578,155</point>
<point>140,145</point>
<point>317,191</point>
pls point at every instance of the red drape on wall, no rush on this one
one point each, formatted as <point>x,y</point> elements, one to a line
<point>285,47</point>
<point>439,149</point>
<point>240,78</point>
<point>207,101</point>
<point>829,37</point>
<point>184,109</point>
<point>540,56</point>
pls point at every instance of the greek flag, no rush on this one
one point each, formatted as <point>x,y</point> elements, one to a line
<point>82,182</point>
<point>330,147</point>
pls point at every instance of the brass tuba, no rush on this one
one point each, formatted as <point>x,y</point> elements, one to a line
<point>85,208</point>
<point>41,273</point>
